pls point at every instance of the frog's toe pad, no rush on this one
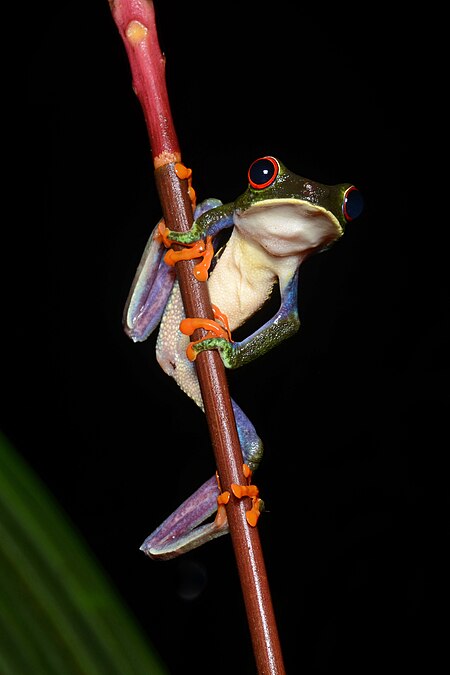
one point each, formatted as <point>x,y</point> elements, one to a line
<point>253,514</point>
<point>252,491</point>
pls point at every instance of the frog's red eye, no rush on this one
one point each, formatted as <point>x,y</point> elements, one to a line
<point>352,204</point>
<point>263,172</point>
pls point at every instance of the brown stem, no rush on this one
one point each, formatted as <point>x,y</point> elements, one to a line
<point>136,23</point>
<point>135,20</point>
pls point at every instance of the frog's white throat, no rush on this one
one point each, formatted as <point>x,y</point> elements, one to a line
<point>286,227</point>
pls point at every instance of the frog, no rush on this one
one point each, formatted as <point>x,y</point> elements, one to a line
<point>279,221</point>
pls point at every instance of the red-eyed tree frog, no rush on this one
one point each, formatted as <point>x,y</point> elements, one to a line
<point>278,222</point>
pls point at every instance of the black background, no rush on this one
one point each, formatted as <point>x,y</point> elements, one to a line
<point>351,409</point>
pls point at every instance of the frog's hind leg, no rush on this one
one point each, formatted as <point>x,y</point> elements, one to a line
<point>171,348</point>
<point>185,528</point>
<point>192,524</point>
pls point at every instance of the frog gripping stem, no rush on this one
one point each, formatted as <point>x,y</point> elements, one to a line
<point>135,20</point>
<point>252,491</point>
<point>213,328</point>
<point>200,249</point>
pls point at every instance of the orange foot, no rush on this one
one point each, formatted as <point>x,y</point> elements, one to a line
<point>252,491</point>
<point>221,515</point>
<point>217,327</point>
<point>183,172</point>
<point>199,249</point>
<point>239,491</point>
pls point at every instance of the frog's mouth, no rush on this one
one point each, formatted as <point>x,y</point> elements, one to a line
<point>286,226</point>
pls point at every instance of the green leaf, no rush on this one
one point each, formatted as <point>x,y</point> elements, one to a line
<point>58,612</point>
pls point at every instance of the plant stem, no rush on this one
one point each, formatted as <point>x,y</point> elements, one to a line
<point>135,20</point>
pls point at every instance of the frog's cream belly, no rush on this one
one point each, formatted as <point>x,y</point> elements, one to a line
<point>242,280</point>
<point>237,288</point>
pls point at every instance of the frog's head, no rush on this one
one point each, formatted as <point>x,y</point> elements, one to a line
<point>290,215</point>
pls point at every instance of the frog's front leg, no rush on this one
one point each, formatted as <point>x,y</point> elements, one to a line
<point>284,324</point>
<point>211,216</point>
